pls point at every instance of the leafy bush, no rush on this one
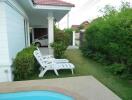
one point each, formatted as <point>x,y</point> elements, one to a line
<point>117,68</point>
<point>109,39</point>
<point>61,43</point>
<point>61,36</point>
<point>59,49</point>
<point>69,32</point>
<point>24,64</point>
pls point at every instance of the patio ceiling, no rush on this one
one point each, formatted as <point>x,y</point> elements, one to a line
<point>38,14</point>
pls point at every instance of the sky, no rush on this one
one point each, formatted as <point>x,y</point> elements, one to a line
<point>87,10</point>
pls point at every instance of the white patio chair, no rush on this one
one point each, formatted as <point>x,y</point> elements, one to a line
<point>51,57</point>
<point>47,64</point>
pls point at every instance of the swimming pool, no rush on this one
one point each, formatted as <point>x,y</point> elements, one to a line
<point>35,95</point>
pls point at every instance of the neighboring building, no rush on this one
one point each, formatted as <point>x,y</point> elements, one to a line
<point>75,27</point>
<point>16,16</point>
<point>84,25</point>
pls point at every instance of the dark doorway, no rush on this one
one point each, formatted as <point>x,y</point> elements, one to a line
<point>39,32</point>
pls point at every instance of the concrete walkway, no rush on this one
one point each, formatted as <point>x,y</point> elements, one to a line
<point>81,88</point>
<point>46,51</point>
<point>73,47</point>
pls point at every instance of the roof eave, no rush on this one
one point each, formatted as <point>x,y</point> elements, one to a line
<point>51,7</point>
<point>68,5</point>
<point>55,5</point>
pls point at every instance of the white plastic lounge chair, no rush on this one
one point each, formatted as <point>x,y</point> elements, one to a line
<point>52,58</point>
<point>47,64</point>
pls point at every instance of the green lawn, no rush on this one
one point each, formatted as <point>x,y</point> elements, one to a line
<point>84,66</point>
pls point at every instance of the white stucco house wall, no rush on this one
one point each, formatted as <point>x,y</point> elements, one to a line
<point>16,17</point>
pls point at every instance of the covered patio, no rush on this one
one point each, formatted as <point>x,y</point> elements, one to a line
<point>44,14</point>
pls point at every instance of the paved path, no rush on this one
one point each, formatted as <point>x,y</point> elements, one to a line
<point>81,88</point>
<point>46,51</point>
<point>73,47</point>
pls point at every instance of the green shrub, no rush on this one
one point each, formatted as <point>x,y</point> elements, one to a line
<point>69,33</point>
<point>109,39</point>
<point>59,49</point>
<point>61,43</point>
<point>117,68</point>
<point>61,36</point>
<point>24,64</point>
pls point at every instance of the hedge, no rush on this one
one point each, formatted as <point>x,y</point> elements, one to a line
<point>108,39</point>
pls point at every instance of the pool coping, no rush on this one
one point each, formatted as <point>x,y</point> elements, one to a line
<point>74,95</point>
<point>80,88</point>
<point>66,92</point>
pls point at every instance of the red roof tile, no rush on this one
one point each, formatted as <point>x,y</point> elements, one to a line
<point>53,3</point>
<point>75,27</point>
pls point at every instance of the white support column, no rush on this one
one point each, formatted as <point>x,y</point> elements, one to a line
<point>32,34</point>
<point>73,39</point>
<point>50,31</point>
<point>50,28</point>
<point>27,33</point>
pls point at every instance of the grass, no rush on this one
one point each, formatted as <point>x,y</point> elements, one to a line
<point>84,66</point>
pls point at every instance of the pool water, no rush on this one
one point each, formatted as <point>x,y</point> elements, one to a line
<point>35,95</point>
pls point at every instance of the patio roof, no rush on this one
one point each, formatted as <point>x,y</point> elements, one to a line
<point>38,14</point>
<point>52,3</point>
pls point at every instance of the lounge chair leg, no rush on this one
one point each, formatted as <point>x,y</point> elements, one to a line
<point>42,73</point>
<point>72,71</point>
<point>56,72</point>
